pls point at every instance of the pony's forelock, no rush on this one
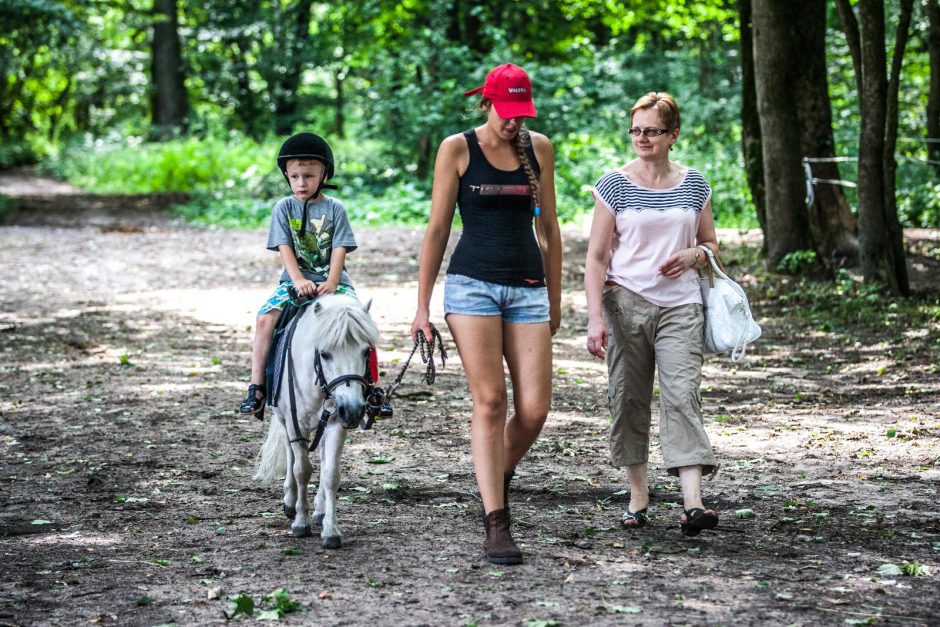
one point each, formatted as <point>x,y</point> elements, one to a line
<point>339,321</point>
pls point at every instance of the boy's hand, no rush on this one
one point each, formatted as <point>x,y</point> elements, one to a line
<point>305,287</point>
<point>327,287</point>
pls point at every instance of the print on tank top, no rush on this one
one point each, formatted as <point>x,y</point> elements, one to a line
<point>501,190</point>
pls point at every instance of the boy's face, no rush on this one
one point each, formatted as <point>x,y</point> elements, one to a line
<point>304,177</point>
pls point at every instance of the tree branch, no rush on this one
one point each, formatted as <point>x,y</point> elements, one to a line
<point>894,77</point>
<point>850,28</point>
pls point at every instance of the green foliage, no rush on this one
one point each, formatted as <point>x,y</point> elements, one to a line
<point>274,606</point>
<point>849,303</point>
<point>919,201</point>
<point>240,604</point>
<point>16,153</point>
<point>182,165</point>
<point>909,569</point>
<point>797,262</point>
<point>37,41</point>
<point>384,82</point>
<point>7,206</point>
<point>280,604</point>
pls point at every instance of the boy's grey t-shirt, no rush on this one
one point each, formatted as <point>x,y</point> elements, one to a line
<point>327,228</point>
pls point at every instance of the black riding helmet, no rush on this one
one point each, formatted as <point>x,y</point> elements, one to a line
<point>307,146</point>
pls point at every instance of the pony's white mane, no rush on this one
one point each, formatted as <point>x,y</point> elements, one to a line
<point>337,322</point>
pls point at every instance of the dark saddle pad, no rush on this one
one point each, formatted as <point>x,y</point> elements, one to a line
<point>277,358</point>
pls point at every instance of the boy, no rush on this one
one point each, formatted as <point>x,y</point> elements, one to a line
<point>312,234</point>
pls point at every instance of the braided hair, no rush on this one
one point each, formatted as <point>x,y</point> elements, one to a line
<point>520,142</point>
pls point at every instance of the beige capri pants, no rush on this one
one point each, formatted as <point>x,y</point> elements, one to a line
<point>643,337</point>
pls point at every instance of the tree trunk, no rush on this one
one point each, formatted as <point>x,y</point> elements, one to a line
<point>750,121</point>
<point>168,102</point>
<point>776,68</point>
<point>895,232</point>
<point>872,94</point>
<point>339,107</point>
<point>249,109</point>
<point>287,82</point>
<point>833,227</point>
<point>878,251</point>
<point>933,97</point>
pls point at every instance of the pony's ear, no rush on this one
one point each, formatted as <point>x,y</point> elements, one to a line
<point>367,305</point>
<point>317,307</point>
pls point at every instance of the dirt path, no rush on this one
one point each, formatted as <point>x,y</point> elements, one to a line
<point>127,497</point>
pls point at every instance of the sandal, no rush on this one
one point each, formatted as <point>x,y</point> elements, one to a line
<point>633,520</point>
<point>696,520</point>
<point>252,403</point>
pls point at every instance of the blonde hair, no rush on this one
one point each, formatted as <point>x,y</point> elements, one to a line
<point>662,102</point>
<point>291,162</point>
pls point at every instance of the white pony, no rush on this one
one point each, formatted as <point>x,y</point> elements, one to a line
<point>327,363</point>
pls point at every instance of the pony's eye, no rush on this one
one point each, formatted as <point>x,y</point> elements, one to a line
<point>365,353</point>
<point>326,356</point>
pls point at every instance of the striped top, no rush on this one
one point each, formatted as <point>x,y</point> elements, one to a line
<point>651,225</point>
<point>621,194</point>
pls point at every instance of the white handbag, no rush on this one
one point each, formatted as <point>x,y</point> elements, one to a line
<point>729,324</point>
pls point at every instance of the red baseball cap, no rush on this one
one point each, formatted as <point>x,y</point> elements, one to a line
<point>510,90</point>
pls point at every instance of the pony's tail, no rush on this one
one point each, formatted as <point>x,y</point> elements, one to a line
<point>272,458</point>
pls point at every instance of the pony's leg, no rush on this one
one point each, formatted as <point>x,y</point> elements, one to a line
<point>332,448</point>
<point>301,470</point>
<point>290,486</point>
<point>321,492</point>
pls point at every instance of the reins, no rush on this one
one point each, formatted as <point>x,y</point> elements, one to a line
<point>379,401</point>
<point>427,356</point>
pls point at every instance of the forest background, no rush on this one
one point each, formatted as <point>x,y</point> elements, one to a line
<point>148,96</point>
<point>125,472</point>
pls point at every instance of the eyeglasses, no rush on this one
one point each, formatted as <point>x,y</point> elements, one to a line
<point>647,132</point>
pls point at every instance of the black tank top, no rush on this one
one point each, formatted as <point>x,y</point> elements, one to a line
<point>498,242</point>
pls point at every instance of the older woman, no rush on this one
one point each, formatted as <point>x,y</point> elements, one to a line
<point>645,309</point>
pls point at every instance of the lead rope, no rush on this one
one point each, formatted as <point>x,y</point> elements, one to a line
<point>427,356</point>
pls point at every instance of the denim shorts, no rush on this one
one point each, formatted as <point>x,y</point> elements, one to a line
<point>472,297</point>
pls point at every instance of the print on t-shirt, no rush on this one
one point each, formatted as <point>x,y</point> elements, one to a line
<point>313,250</point>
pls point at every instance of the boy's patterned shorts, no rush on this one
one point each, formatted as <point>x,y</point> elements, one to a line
<point>281,297</point>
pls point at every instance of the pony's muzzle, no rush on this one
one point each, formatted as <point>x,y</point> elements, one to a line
<point>350,414</point>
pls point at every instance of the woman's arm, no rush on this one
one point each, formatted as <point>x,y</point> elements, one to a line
<point>450,156</point>
<point>546,227</point>
<point>595,274</point>
<point>706,234</point>
<point>693,258</point>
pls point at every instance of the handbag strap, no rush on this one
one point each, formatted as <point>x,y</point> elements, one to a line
<point>714,266</point>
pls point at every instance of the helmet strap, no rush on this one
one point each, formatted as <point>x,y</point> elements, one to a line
<point>303,222</point>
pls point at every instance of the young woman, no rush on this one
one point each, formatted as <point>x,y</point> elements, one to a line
<point>503,289</point>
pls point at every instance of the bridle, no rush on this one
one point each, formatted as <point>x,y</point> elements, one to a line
<point>373,395</point>
<point>328,388</point>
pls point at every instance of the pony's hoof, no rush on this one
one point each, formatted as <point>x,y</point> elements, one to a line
<point>301,532</point>
<point>318,520</point>
<point>332,542</point>
<point>290,512</point>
